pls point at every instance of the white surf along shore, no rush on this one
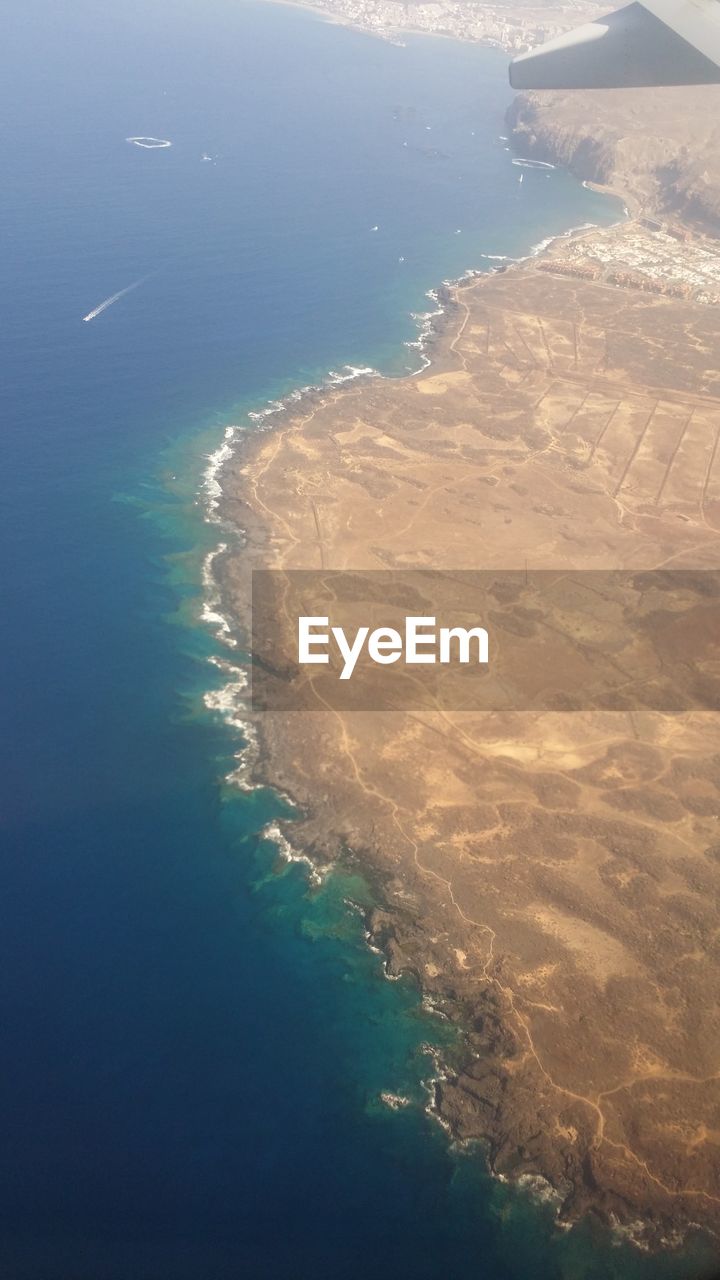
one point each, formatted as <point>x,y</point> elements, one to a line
<point>230,699</point>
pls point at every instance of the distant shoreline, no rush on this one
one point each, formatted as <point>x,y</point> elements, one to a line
<point>591,138</point>
<point>394,33</point>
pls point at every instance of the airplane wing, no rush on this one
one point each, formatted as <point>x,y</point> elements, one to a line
<point>658,42</point>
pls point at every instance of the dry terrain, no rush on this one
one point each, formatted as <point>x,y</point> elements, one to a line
<point>552,879</point>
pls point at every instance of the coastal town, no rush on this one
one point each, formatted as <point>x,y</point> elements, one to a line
<point>513,28</point>
<point>644,254</point>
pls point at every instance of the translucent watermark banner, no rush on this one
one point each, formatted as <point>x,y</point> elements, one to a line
<point>491,640</point>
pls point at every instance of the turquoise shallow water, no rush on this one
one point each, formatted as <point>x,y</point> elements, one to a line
<point>194,1040</point>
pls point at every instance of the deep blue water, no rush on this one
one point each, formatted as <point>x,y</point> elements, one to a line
<point>193,1042</point>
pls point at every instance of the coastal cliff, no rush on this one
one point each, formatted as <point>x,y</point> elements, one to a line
<point>660,148</point>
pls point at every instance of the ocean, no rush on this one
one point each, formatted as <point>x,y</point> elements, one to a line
<point>194,1036</point>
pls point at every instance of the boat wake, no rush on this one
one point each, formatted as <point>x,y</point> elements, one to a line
<point>532,164</point>
<point>114,297</point>
<point>150,144</point>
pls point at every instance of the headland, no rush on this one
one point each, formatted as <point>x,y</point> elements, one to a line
<point>548,879</point>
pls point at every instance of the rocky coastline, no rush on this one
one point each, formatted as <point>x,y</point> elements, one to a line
<point>494,1092</point>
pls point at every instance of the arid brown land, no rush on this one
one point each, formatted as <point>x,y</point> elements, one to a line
<point>553,880</point>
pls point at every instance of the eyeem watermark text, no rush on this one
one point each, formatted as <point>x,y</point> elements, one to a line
<point>421,642</point>
<point>415,639</point>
